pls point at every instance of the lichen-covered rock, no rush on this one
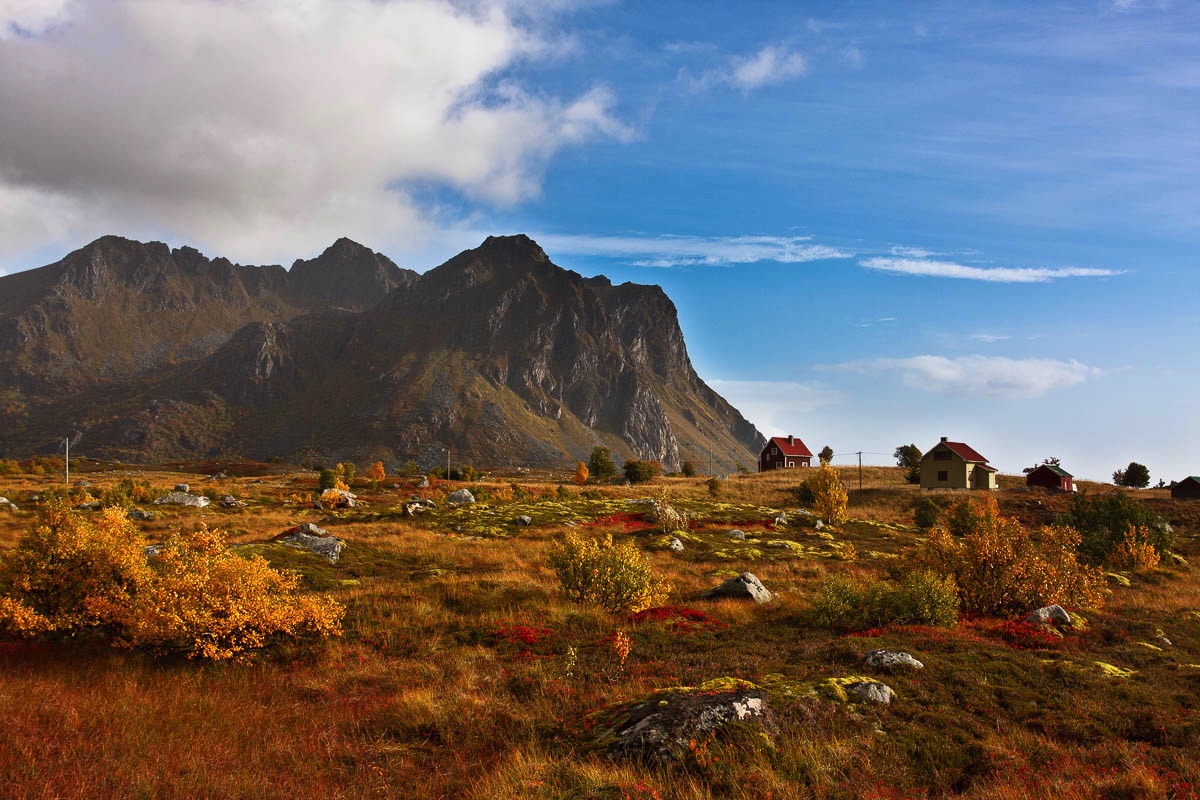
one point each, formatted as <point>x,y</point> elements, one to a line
<point>662,728</point>
<point>890,659</point>
<point>460,497</point>
<point>739,535</point>
<point>182,499</point>
<point>746,586</point>
<point>338,498</point>
<point>229,501</point>
<point>315,539</point>
<point>857,688</point>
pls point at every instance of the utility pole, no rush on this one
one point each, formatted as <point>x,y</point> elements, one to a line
<point>860,470</point>
<point>67,442</point>
<point>447,463</point>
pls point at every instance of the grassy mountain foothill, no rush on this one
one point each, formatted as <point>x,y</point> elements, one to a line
<point>505,648</point>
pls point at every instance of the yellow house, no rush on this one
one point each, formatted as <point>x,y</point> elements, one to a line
<point>954,465</point>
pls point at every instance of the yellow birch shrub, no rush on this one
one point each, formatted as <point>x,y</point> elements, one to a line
<point>830,496</point>
<point>1135,552</point>
<point>1002,568</point>
<point>616,577</point>
<point>70,576</point>
<point>377,473</point>
<point>581,474</point>
<point>208,602</point>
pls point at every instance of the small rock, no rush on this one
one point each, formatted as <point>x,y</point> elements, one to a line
<point>153,550</point>
<point>220,476</point>
<point>311,529</point>
<point>739,535</point>
<point>781,518</point>
<point>313,538</point>
<point>1050,615</point>
<point>229,501</point>
<point>139,515</point>
<point>524,519</point>
<point>338,498</point>
<point>1177,559</point>
<point>460,497</point>
<point>182,487</point>
<point>423,482</point>
<point>888,659</point>
<point>393,485</point>
<point>871,691</point>
<point>819,525</point>
<point>675,545</point>
<point>744,587</point>
<point>93,506</point>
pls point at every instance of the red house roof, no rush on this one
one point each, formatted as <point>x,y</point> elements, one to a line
<point>966,452</point>
<point>793,448</point>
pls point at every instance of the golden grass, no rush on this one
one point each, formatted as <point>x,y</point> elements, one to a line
<point>432,692</point>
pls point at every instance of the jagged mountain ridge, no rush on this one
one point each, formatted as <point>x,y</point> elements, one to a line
<point>149,353</point>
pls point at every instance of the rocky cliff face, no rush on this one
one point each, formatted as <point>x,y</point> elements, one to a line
<point>497,354</point>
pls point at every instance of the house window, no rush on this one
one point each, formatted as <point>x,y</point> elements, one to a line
<point>774,451</point>
<point>791,463</point>
<point>942,455</point>
<point>943,475</point>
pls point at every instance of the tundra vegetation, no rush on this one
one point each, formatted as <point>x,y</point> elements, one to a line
<point>483,646</point>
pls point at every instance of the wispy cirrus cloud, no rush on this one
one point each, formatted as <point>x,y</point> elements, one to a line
<point>690,251</point>
<point>929,268</point>
<point>770,64</point>
<point>773,405</point>
<point>988,338</point>
<point>979,376</point>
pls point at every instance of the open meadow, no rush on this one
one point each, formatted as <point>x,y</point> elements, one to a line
<point>463,670</point>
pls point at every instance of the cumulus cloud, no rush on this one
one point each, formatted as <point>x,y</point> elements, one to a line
<point>927,268</point>
<point>771,64</point>
<point>686,251</point>
<point>980,376</point>
<point>264,128</point>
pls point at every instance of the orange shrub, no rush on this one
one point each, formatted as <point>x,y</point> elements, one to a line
<point>1136,551</point>
<point>1001,568</point>
<point>581,474</point>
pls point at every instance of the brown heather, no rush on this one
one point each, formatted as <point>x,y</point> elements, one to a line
<point>464,672</point>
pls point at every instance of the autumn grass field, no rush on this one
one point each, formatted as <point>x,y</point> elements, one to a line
<point>463,671</point>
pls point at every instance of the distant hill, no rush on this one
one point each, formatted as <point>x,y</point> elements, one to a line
<point>145,353</point>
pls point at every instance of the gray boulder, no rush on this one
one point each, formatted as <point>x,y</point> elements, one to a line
<point>663,728</point>
<point>423,482</point>
<point>891,659</point>
<point>739,535</point>
<point>871,691</point>
<point>524,519</point>
<point>138,515</point>
<point>315,539</point>
<point>460,497</point>
<point>1054,615</point>
<point>744,587</point>
<point>182,487</point>
<point>182,499</point>
<point>229,501</point>
<point>675,545</point>
<point>338,498</point>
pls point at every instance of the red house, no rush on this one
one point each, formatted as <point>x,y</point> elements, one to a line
<point>1051,477</point>
<point>1187,489</point>
<point>784,452</point>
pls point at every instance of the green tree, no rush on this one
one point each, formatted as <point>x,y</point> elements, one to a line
<point>688,469</point>
<point>1136,476</point>
<point>909,457</point>
<point>600,465</point>
<point>826,454</point>
<point>639,471</point>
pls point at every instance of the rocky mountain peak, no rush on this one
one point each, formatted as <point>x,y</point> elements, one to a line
<point>347,274</point>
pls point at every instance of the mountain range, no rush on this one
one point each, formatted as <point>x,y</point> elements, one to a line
<point>140,352</point>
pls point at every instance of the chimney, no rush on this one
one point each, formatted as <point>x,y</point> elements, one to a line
<point>791,440</point>
<point>943,438</point>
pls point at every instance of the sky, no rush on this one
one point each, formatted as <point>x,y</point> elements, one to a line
<point>881,223</point>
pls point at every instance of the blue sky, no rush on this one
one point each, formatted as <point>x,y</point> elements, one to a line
<point>880,222</point>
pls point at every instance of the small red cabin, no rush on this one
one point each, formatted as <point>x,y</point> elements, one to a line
<point>784,452</point>
<point>1051,477</point>
<point>1187,489</point>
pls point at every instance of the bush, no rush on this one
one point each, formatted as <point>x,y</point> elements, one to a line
<point>688,469</point>
<point>581,474</point>
<point>208,602</point>
<point>70,577</point>
<point>1135,552</point>
<point>926,514</point>
<point>642,471</point>
<point>376,473</point>
<point>345,472</point>
<point>829,494</point>
<point>327,479</point>
<point>601,465</point>
<point>614,577</point>
<point>1001,568</point>
<point>713,485</point>
<point>921,597</point>
<point>1103,523</point>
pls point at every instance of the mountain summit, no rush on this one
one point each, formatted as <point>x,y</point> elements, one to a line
<point>499,355</point>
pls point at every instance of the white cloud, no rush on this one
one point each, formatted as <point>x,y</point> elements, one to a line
<point>912,252</point>
<point>947,269</point>
<point>980,376</point>
<point>682,251</point>
<point>31,17</point>
<point>771,64</point>
<point>265,128</point>
<point>773,406</point>
<point>988,338</point>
